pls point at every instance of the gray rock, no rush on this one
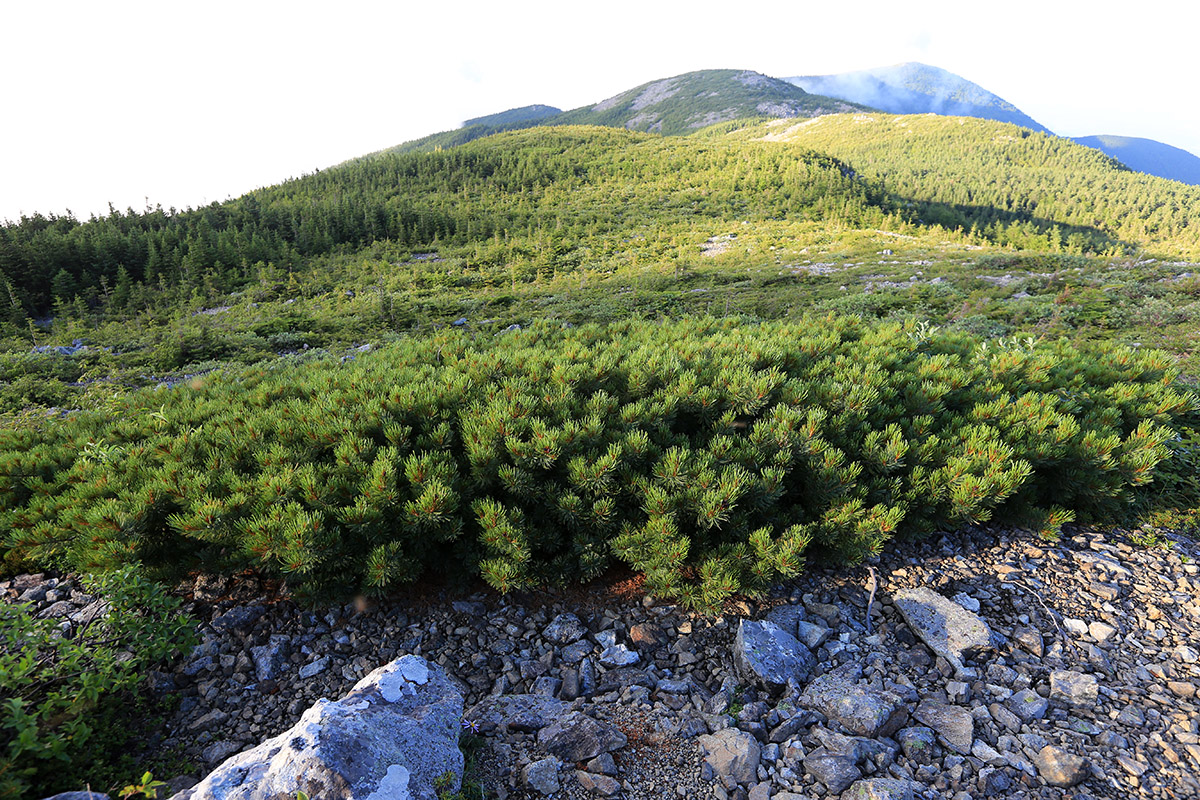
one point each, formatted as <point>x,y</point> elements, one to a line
<point>618,656</point>
<point>574,653</point>
<point>542,775</point>
<point>394,735</point>
<point>315,667</point>
<point>525,713</point>
<point>600,784</point>
<point>84,795</point>
<point>270,658</point>
<point>813,636</point>
<point>786,617</point>
<point>1073,688</point>
<point>239,618</point>
<point>603,764</point>
<point>1059,767</point>
<point>770,656</point>
<point>578,737</point>
<point>861,710</point>
<point>882,789</point>
<point>564,629</point>
<point>1030,639</point>
<point>1028,705</point>
<point>918,743</point>
<point>954,725</point>
<point>732,753</point>
<point>1102,632</point>
<point>836,770</point>
<point>219,750</point>
<point>946,627</point>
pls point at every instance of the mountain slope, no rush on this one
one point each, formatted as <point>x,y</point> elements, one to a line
<point>1149,156</point>
<point>1015,187</point>
<point>522,114</point>
<point>915,88</point>
<point>678,105</point>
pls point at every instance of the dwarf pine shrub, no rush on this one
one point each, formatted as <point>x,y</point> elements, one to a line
<point>711,455</point>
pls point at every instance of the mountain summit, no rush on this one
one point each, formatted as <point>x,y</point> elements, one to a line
<point>678,105</point>
<point>915,88</point>
<point>695,100</point>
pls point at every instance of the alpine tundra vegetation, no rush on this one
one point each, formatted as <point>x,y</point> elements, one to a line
<point>709,331</point>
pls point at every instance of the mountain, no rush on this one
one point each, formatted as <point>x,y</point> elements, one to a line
<point>678,105</point>
<point>522,114</point>
<point>915,88</point>
<point>695,100</point>
<point>1149,156</point>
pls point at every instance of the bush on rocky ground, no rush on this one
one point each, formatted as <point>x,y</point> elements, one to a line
<point>710,455</point>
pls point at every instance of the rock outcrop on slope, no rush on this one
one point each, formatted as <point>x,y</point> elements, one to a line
<point>1087,688</point>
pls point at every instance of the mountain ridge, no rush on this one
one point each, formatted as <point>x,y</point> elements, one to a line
<point>1147,155</point>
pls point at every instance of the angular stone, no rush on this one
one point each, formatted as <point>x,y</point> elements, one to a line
<point>84,795</point>
<point>1102,632</point>
<point>918,743</point>
<point>1028,705</point>
<point>270,658</point>
<point>219,750</point>
<point>947,628</point>
<point>1005,717</point>
<point>524,713</point>
<point>602,764</point>
<point>578,737</point>
<point>760,791</point>
<point>1030,639</point>
<point>770,656</point>
<point>239,618</point>
<point>648,636</point>
<point>732,753</point>
<point>954,725</point>
<point>812,636</point>
<point>314,667</point>
<point>786,617</point>
<point>391,736</point>
<point>618,656</point>
<point>542,775</point>
<point>1059,767</point>
<point>1076,627</point>
<point>1073,688</point>
<point>602,785</point>
<point>574,653</point>
<point>564,629</point>
<point>861,710</point>
<point>837,771</point>
<point>883,789</point>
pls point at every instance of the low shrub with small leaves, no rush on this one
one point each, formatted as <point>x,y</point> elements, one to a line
<point>711,455</point>
<point>54,685</point>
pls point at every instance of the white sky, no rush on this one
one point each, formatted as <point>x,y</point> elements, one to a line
<point>187,103</point>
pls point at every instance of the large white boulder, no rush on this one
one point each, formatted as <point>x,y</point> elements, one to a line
<point>391,738</point>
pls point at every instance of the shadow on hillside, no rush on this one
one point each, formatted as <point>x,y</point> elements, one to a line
<point>1022,229</point>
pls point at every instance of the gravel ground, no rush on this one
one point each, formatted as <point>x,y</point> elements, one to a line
<point>1123,617</point>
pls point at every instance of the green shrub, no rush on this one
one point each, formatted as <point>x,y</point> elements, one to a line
<point>54,685</point>
<point>712,455</point>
